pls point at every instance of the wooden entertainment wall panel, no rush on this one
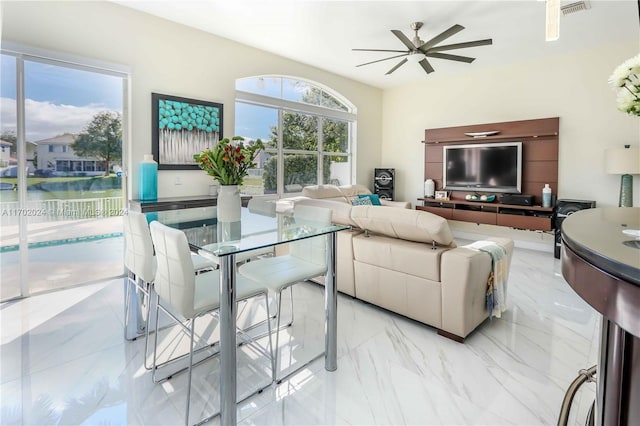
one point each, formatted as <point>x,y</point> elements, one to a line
<point>539,166</point>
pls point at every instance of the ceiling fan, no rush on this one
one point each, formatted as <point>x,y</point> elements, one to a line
<point>419,50</point>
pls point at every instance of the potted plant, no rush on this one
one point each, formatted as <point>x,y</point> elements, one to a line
<point>229,162</point>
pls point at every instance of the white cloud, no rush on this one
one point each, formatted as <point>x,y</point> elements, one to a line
<point>45,120</point>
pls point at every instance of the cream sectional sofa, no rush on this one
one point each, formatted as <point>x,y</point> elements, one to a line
<point>407,261</point>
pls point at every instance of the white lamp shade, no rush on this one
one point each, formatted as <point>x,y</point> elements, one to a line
<point>622,161</point>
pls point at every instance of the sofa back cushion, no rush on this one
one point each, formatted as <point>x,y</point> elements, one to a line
<point>410,225</point>
<point>325,192</point>
<point>353,190</point>
<point>341,211</point>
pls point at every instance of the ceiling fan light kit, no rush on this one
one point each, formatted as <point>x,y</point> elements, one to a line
<point>418,50</point>
<point>416,57</point>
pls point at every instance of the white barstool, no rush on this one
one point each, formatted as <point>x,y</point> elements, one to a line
<point>307,259</point>
<point>140,262</point>
<point>182,293</point>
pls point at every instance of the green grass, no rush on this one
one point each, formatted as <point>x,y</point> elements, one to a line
<point>252,181</point>
<point>37,180</point>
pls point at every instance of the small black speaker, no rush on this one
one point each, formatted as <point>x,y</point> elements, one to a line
<point>516,199</point>
<point>383,183</point>
<point>564,209</point>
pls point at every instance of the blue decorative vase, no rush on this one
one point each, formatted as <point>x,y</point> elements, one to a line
<point>148,179</point>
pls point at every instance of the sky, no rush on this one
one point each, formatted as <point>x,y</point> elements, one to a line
<point>254,122</point>
<point>58,99</point>
<point>64,100</point>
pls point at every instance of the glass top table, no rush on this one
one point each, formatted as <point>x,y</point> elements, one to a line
<point>258,228</point>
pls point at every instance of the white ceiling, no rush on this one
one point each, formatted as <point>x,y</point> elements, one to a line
<point>322,33</point>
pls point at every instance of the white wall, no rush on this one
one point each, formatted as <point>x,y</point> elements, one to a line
<point>573,88</point>
<point>172,59</point>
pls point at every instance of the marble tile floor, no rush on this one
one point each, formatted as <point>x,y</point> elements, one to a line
<point>63,360</point>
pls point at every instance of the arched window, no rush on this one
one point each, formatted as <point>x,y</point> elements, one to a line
<point>308,130</point>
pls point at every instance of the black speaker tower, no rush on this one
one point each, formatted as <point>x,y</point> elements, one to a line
<point>565,208</point>
<point>383,183</point>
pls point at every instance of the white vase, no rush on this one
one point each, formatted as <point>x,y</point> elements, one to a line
<point>429,188</point>
<point>229,203</point>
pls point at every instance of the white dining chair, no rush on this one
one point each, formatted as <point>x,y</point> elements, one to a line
<point>183,295</point>
<point>140,263</point>
<point>307,259</point>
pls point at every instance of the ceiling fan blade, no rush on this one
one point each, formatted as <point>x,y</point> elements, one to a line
<point>426,66</point>
<point>385,59</point>
<point>459,45</point>
<point>450,57</point>
<point>398,65</point>
<point>377,50</point>
<point>442,36</point>
<point>403,38</point>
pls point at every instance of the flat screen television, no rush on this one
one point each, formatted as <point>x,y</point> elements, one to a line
<point>486,167</point>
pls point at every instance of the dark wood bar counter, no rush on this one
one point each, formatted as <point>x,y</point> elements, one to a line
<point>178,203</point>
<point>601,262</point>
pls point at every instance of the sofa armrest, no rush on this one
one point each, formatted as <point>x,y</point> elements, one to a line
<point>464,273</point>
<point>398,204</point>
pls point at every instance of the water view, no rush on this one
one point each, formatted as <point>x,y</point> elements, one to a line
<point>62,188</point>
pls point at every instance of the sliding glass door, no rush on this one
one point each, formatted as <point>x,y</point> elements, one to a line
<point>61,186</point>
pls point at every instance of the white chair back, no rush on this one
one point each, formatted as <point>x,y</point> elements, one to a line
<point>138,253</point>
<point>312,250</point>
<point>264,205</point>
<point>175,280</point>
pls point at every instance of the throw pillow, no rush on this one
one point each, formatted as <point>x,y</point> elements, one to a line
<point>361,202</point>
<point>375,199</point>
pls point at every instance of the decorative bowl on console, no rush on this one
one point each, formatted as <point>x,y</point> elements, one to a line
<point>480,198</point>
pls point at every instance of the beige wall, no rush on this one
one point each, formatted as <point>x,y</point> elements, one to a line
<point>573,88</point>
<point>172,59</point>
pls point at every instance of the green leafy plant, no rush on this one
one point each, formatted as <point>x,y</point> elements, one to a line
<point>229,161</point>
<point>102,139</point>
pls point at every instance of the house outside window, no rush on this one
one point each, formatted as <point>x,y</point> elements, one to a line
<point>5,153</point>
<point>56,155</point>
<point>62,165</point>
<point>308,131</point>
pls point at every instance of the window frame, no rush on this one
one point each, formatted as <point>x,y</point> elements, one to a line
<point>322,112</point>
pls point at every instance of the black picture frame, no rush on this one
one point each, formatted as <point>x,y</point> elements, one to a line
<point>182,127</point>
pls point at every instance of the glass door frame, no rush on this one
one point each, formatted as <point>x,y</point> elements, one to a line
<point>21,54</point>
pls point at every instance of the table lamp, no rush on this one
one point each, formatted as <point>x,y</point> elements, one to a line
<point>626,162</point>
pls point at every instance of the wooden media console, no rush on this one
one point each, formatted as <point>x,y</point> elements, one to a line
<point>539,167</point>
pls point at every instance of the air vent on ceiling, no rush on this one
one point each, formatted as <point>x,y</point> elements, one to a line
<point>574,7</point>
